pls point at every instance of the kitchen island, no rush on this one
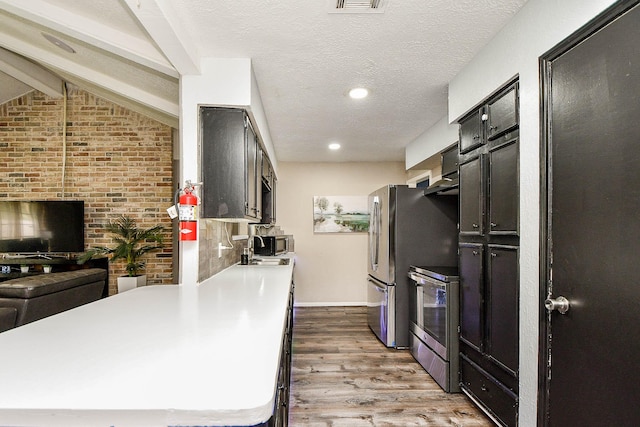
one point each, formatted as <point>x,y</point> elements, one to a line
<point>205,355</point>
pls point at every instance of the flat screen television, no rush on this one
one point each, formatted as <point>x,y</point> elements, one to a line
<point>42,226</point>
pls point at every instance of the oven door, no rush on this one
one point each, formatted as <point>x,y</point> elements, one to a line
<point>381,311</point>
<point>431,313</point>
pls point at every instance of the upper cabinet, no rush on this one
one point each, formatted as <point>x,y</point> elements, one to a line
<point>502,113</point>
<point>498,116</point>
<point>269,188</point>
<point>450,161</point>
<point>232,165</point>
<point>471,131</point>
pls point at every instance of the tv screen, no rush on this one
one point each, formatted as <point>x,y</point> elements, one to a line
<point>41,226</point>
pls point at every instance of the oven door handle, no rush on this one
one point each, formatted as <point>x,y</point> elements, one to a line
<point>420,280</point>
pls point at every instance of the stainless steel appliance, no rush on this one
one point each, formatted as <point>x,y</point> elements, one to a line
<point>434,320</point>
<point>272,245</point>
<point>405,228</point>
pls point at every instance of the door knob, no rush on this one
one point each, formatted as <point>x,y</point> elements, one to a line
<point>561,304</point>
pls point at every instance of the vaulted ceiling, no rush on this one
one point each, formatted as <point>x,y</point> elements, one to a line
<point>306,55</point>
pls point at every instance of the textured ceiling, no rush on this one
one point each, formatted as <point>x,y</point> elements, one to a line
<point>304,57</point>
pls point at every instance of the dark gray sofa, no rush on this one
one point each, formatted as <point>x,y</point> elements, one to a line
<point>31,298</point>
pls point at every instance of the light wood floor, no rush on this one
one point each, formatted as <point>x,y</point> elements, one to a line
<point>342,376</point>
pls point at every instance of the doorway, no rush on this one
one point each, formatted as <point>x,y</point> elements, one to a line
<point>590,241</point>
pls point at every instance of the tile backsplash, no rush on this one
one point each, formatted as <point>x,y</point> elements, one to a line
<point>212,233</point>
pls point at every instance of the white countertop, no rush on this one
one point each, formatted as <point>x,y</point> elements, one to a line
<point>152,356</point>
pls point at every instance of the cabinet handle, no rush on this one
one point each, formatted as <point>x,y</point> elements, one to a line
<point>493,127</point>
<point>476,136</point>
<point>475,225</point>
<point>493,224</point>
<point>493,254</point>
<point>484,388</point>
<point>475,252</point>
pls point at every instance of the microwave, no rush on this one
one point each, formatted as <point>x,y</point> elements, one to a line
<point>272,245</point>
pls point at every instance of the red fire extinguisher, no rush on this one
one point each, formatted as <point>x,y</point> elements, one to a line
<point>188,214</point>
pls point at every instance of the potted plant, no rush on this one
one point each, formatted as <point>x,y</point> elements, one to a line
<point>46,268</point>
<point>131,244</point>
<point>24,268</point>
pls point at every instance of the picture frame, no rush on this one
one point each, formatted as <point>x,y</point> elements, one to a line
<point>340,214</point>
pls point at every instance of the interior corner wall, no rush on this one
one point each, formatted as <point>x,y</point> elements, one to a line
<point>331,269</point>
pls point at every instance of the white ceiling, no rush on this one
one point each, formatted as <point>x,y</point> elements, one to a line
<point>305,59</point>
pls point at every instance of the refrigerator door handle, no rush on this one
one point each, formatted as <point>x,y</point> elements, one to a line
<point>374,234</point>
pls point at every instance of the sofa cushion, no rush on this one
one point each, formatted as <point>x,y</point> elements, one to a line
<point>42,284</point>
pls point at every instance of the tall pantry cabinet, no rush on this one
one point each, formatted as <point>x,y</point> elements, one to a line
<point>488,251</point>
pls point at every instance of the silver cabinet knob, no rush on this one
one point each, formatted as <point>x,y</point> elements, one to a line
<point>561,304</point>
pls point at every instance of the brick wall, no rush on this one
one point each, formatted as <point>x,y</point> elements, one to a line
<point>118,162</point>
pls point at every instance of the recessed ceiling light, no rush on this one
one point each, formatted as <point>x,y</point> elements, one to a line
<point>334,146</point>
<point>358,93</point>
<point>62,45</point>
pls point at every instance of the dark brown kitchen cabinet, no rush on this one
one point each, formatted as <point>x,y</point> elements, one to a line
<point>231,164</point>
<point>471,294</point>
<point>471,197</point>
<point>503,188</point>
<point>502,112</point>
<point>471,131</point>
<point>450,160</point>
<point>488,255</point>
<point>269,189</point>
<point>502,307</point>
<point>501,402</point>
<point>253,176</point>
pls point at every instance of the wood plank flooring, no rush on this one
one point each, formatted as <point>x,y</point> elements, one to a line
<point>342,376</point>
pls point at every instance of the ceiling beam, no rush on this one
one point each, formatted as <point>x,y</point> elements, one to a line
<point>30,73</point>
<point>161,23</point>
<point>140,51</point>
<point>100,79</point>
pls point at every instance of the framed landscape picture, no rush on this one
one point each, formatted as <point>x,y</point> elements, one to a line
<point>340,214</point>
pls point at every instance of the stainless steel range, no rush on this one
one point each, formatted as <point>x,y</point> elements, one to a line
<point>433,323</point>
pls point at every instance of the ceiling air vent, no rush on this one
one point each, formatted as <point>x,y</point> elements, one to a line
<point>357,6</point>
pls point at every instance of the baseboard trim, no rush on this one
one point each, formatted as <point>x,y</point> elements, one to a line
<point>329,304</point>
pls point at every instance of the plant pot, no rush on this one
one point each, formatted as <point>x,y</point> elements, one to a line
<point>46,268</point>
<point>126,283</point>
<point>24,268</point>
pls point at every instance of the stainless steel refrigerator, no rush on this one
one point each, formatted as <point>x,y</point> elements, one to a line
<point>406,228</point>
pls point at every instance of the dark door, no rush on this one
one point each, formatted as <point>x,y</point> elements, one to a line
<point>503,189</point>
<point>471,197</point>
<point>471,290</point>
<point>592,83</point>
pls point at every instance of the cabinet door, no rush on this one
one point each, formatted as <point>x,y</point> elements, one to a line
<point>503,189</point>
<point>251,175</point>
<point>450,161</point>
<point>223,163</point>
<point>471,132</point>
<point>471,197</point>
<point>471,289</point>
<point>503,306</point>
<point>503,113</point>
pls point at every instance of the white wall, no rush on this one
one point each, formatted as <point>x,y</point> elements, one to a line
<point>540,25</point>
<point>430,142</point>
<point>330,268</point>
